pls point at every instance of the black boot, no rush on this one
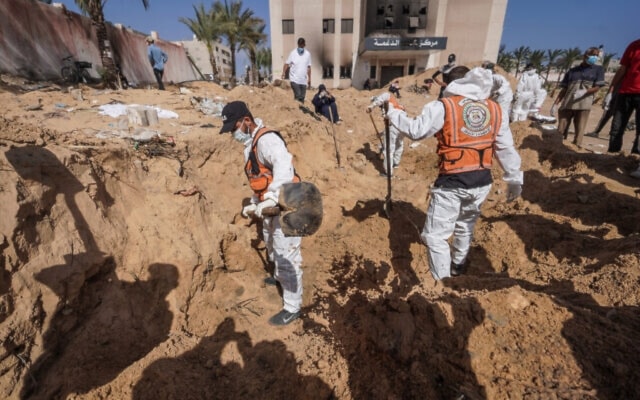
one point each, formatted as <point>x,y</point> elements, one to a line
<point>457,269</point>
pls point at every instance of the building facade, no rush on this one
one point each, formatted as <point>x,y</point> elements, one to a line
<point>351,41</point>
<point>199,55</point>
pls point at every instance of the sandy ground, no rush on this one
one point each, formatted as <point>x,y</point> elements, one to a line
<point>126,270</point>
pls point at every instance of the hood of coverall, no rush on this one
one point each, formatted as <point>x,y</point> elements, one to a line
<point>475,84</point>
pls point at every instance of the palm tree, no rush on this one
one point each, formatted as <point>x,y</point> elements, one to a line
<point>235,23</point>
<point>206,27</point>
<point>264,60</point>
<point>568,58</point>
<point>505,60</point>
<point>94,9</point>
<point>552,56</point>
<point>606,59</point>
<point>251,37</point>
<point>536,58</point>
<point>520,54</point>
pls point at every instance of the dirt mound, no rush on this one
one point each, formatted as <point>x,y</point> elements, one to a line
<point>126,270</point>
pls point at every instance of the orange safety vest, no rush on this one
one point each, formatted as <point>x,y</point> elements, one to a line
<point>259,175</point>
<point>466,140</point>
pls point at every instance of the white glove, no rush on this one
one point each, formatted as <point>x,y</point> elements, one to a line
<point>379,101</point>
<point>579,93</point>
<point>554,110</point>
<point>606,102</point>
<point>262,205</point>
<point>514,190</point>
<point>248,210</point>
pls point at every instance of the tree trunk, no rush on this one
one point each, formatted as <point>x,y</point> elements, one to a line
<point>254,68</point>
<point>109,75</point>
<point>232,47</point>
<point>212,60</point>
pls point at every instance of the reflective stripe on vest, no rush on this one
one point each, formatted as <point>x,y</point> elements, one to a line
<point>259,175</point>
<point>466,140</point>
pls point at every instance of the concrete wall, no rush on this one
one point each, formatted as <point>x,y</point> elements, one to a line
<point>35,37</point>
<point>200,55</point>
<point>474,29</point>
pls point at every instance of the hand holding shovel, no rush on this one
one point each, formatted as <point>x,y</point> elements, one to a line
<point>299,207</point>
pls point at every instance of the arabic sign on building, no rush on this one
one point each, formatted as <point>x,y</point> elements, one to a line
<point>417,43</point>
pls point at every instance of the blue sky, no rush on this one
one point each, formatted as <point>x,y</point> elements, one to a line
<point>539,24</point>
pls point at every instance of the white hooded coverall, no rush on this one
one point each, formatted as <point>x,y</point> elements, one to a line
<point>396,148</point>
<point>284,251</point>
<point>454,211</point>
<point>529,95</point>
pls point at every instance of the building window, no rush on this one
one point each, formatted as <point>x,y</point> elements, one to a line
<point>328,26</point>
<point>372,72</point>
<point>287,26</point>
<point>327,72</point>
<point>345,72</point>
<point>346,26</point>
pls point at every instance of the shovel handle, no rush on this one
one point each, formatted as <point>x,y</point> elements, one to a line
<point>271,211</point>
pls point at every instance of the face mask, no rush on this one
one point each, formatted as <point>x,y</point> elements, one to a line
<point>591,60</point>
<point>240,135</point>
<point>300,50</point>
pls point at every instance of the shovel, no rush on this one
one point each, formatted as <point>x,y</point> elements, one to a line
<point>387,138</point>
<point>335,141</point>
<point>377,131</point>
<point>299,208</point>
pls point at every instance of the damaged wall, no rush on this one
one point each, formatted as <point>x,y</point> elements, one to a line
<point>35,37</point>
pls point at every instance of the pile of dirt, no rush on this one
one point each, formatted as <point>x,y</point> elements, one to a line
<point>126,270</point>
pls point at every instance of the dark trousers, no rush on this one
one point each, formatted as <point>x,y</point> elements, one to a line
<point>330,110</point>
<point>299,91</point>
<point>624,106</point>
<point>608,113</point>
<point>159,73</point>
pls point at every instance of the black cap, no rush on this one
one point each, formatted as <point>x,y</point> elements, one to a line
<point>231,113</point>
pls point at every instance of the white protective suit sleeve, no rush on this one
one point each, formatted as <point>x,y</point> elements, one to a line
<point>273,153</point>
<point>476,85</point>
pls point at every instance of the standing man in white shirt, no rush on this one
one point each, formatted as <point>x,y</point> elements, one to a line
<point>299,66</point>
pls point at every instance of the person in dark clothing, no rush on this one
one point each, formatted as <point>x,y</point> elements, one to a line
<point>394,88</point>
<point>444,71</point>
<point>325,104</point>
<point>606,116</point>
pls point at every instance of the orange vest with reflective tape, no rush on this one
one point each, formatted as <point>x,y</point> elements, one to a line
<point>259,175</point>
<point>466,140</point>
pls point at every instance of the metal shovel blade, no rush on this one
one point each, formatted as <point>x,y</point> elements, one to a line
<point>300,209</point>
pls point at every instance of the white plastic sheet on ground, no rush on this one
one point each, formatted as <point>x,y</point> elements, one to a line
<point>117,110</point>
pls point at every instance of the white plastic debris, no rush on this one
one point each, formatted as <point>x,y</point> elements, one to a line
<point>117,110</point>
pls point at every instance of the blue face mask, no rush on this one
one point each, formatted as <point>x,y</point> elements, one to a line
<point>591,60</point>
<point>240,135</point>
<point>300,50</point>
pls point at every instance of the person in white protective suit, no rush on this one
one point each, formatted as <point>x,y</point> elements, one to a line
<point>470,132</point>
<point>529,95</point>
<point>501,92</point>
<point>268,165</point>
<point>396,140</point>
